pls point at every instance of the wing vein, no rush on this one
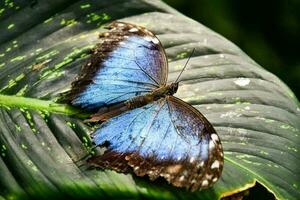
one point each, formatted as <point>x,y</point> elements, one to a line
<point>147,73</point>
<point>155,115</point>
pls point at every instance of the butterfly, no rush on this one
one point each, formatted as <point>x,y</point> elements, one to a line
<point>145,129</point>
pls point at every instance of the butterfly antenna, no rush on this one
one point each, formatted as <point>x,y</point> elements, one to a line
<point>185,65</point>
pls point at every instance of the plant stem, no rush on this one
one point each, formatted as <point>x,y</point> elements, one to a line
<point>44,105</point>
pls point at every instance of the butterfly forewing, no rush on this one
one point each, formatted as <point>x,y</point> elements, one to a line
<point>157,140</point>
<point>128,62</point>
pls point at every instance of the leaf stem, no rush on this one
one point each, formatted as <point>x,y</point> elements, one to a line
<point>43,105</point>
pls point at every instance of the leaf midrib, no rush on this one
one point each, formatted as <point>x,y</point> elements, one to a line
<point>42,105</point>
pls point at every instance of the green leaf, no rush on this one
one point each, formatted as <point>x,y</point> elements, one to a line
<point>42,47</point>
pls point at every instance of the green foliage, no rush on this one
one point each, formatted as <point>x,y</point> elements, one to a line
<point>43,45</point>
<point>267,31</point>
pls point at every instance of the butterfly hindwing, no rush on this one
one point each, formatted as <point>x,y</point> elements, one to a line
<point>166,138</point>
<point>129,61</point>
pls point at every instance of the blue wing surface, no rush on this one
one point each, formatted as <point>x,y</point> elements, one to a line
<point>167,138</point>
<point>129,62</point>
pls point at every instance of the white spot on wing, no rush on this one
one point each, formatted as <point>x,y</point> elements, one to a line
<point>181,178</point>
<point>242,81</point>
<point>155,40</point>
<point>204,183</point>
<point>209,176</point>
<point>201,164</point>
<point>211,145</point>
<point>215,164</point>
<point>167,176</point>
<point>192,159</point>
<point>215,179</point>
<point>214,137</point>
<point>133,30</point>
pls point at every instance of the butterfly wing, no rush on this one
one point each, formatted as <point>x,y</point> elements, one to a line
<point>166,138</point>
<point>129,61</point>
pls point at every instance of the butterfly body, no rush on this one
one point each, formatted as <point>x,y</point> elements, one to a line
<point>155,95</point>
<point>146,129</point>
<point>135,102</point>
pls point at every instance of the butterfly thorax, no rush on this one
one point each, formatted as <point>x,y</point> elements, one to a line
<point>155,95</point>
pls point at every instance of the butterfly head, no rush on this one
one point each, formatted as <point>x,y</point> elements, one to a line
<point>173,87</point>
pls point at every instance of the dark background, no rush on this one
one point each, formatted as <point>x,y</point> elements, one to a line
<point>268,31</point>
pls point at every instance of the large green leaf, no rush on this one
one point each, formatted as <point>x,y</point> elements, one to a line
<point>44,43</point>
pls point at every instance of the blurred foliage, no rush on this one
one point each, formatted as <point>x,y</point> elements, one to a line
<point>268,31</point>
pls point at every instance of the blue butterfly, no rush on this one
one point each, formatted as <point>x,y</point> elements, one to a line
<point>146,130</point>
